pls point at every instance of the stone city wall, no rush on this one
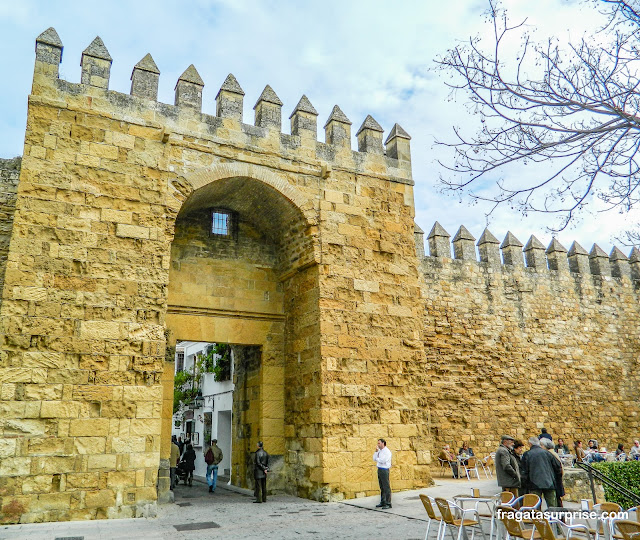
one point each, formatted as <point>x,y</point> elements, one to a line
<point>87,318</point>
<point>512,348</point>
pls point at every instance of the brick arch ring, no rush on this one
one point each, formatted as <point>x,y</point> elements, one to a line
<point>202,177</point>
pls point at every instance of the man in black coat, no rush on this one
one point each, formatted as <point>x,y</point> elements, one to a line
<point>260,470</point>
<point>541,469</point>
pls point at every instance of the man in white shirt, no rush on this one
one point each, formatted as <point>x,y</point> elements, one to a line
<point>382,457</point>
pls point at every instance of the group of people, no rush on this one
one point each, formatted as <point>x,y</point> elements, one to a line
<point>446,454</point>
<point>185,457</point>
<point>594,454</point>
<point>537,470</point>
<point>183,454</point>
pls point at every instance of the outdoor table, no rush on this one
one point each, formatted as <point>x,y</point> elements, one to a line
<point>480,499</point>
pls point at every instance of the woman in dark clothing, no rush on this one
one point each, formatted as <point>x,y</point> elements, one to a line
<point>189,460</point>
<point>518,450</point>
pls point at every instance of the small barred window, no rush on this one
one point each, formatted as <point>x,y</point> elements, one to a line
<point>222,223</point>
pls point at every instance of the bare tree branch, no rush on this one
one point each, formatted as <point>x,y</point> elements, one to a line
<point>574,106</point>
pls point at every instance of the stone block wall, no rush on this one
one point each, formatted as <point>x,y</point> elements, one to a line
<point>511,348</point>
<point>87,311</point>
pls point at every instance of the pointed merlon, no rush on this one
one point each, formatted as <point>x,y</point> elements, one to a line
<point>338,116</point>
<point>269,96</point>
<point>463,234</point>
<point>487,237</point>
<point>191,75</point>
<point>370,123</point>
<point>304,105</point>
<point>617,255</point>
<point>577,249</point>
<point>438,230</point>
<point>50,37</point>
<point>147,64</point>
<point>510,240</point>
<point>397,131</point>
<point>556,247</point>
<point>231,84</point>
<point>634,256</point>
<point>97,49</point>
<point>417,229</point>
<point>597,251</point>
<point>533,243</point>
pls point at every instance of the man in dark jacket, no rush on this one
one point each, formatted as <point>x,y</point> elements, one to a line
<point>544,434</point>
<point>541,469</point>
<point>260,470</point>
<point>507,470</point>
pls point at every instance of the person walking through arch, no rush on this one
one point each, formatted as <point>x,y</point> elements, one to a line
<point>212,457</point>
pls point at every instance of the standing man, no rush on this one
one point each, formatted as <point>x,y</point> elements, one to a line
<point>382,457</point>
<point>173,461</point>
<point>260,470</point>
<point>212,457</point>
<point>507,469</point>
<point>541,469</point>
<point>544,434</point>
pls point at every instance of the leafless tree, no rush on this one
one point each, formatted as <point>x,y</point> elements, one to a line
<point>574,107</point>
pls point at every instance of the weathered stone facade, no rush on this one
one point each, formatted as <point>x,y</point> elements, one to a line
<point>352,336</point>
<point>110,253</point>
<point>511,348</point>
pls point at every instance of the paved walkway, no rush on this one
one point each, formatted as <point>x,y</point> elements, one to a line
<point>230,514</point>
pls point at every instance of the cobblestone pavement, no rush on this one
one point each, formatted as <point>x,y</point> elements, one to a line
<point>230,514</point>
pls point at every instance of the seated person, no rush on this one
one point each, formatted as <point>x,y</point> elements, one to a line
<point>447,455</point>
<point>580,453</point>
<point>465,451</point>
<point>634,453</point>
<point>561,448</point>
<point>593,455</point>
<point>621,455</point>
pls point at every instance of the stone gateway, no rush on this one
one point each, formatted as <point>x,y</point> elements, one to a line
<point>130,224</point>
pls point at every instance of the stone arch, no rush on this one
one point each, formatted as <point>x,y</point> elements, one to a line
<point>204,176</point>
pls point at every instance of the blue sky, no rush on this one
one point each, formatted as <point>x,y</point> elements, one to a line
<point>369,57</point>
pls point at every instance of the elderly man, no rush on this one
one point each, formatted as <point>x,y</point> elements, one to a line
<point>541,468</point>
<point>447,455</point>
<point>507,468</point>
<point>634,453</point>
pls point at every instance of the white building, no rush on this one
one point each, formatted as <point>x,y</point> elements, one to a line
<point>212,420</point>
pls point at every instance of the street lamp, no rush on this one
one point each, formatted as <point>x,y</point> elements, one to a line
<point>198,401</point>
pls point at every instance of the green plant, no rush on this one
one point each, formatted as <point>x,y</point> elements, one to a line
<point>222,368</point>
<point>186,385</point>
<point>625,473</point>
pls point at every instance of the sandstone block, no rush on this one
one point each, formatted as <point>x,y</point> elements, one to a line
<point>87,427</point>
<point>82,481</point>
<point>104,461</point>
<point>89,445</point>
<point>132,231</point>
<point>99,330</point>
<point>15,466</point>
<point>59,409</point>
<point>103,498</point>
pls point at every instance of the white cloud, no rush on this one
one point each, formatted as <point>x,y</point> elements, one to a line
<point>370,57</point>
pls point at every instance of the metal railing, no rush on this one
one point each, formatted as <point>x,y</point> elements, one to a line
<point>608,482</point>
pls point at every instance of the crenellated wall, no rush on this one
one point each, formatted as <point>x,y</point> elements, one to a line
<point>512,348</point>
<point>352,337</point>
<point>110,262</point>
